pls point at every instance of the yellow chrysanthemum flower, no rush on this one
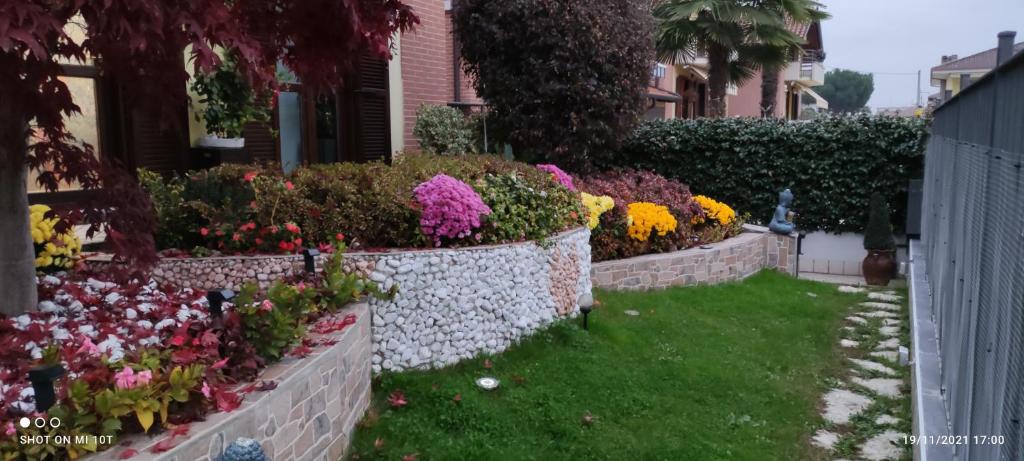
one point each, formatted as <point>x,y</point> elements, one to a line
<point>596,206</point>
<point>53,251</point>
<point>719,212</point>
<point>646,217</point>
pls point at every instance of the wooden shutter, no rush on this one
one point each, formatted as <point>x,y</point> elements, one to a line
<point>156,144</point>
<point>371,124</point>
<point>260,142</point>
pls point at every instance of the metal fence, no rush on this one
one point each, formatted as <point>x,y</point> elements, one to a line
<point>973,235</point>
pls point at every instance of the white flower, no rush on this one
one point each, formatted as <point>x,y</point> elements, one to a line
<point>164,324</point>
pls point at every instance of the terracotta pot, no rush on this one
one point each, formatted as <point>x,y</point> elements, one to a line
<point>879,267</point>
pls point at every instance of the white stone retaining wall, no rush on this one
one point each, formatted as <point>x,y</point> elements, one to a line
<point>311,415</point>
<point>451,304</point>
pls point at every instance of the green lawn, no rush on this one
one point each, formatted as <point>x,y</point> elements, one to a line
<point>724,372</point>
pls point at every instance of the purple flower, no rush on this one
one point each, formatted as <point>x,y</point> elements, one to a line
<point>558,175</point>
<point>451,208</point>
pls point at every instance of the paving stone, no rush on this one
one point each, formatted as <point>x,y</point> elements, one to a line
<point>891,322</point>
<point>813,295</point>
<point>850,289</point>
<point>877,314</point>
<point>841,405</point>
<point>892,356</point>
<point>889,331</point>
<point>873,366</point>
<point>887,420</point>
<point>884,297</point>
<point>884,306</point>
<point>848,343</point>
<point>849,328</point>
<point>885,446</point>
<point>882,386</point>
<point>857,320</point>
<point>891,343</point>
<point>825,439</point>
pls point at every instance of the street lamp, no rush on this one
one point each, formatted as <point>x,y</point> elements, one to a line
<point>586,312</point>
<point>309,257</point>
<point>216,299</point>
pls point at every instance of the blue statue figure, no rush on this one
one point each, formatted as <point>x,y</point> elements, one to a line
<point>780,220</point>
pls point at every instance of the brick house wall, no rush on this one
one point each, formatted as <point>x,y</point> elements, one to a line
<point>427,55</point>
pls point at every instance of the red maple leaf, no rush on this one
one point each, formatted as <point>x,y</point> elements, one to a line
<point>397,399</point>
<point>411,457</point>
<point>265,386</point>
<point>181,429</point>
<point>488,364</point>
<point>227,400</point>
<point>127,454</point>
<point>219,364</point>
<point>301,351</point>
<point>458,398</point>
<point>163,445</point>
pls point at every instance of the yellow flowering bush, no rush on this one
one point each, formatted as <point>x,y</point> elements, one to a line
<point>53,250</point>
<point>596,206</point>
<point>645,217</point>
<point>714,210</point>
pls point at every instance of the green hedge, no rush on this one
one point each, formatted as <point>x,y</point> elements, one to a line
<point>832,164</point>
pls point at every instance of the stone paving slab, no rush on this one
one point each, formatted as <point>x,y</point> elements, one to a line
<point>885,446</point>
<point>841,405</point>
<point>882,386</point>
<point>873,366</point>
<point>884,306</point>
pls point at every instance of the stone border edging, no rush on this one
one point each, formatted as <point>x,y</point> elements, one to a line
<point>732,259</point>
<point>310,415</point>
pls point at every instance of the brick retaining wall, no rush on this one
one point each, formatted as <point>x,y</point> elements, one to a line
<point>728,260</point>
<point>311,415</point>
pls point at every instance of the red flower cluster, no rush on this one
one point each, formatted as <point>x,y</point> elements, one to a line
<point>245,238</point>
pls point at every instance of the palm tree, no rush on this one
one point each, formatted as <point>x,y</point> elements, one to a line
<point>801,11</point>
<point>738,36</point>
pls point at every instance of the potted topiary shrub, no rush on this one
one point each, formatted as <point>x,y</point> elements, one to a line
<point>229,104</point>
<point>880,264</point>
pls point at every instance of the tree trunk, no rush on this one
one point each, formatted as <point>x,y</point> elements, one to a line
<point>769,92</point>
<point>718,80</point>
<point>17,254</point>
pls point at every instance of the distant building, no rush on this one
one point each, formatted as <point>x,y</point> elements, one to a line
<point>951,75</point>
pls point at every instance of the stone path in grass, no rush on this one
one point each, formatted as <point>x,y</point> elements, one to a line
<point>864,411</point>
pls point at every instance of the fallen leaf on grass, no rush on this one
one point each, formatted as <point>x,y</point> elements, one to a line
<point>588,419</point>
<point>379,443</point>
<point>458,398</point>
<point>411,457</point>
<point>488,364</point>
<point>397,399</point>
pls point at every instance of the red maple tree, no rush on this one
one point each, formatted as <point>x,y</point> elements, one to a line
<point>140,45</point>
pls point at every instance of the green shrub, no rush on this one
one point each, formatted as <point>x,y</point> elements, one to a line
<point>832,163</point>
<point>176,223</point>
<point>442,130</point>
<point>878,232</point>
<point>229,101</point>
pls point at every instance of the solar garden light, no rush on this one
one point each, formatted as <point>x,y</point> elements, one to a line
<point>309,257</point>
<point>216,300</point>
<point>42,378</point>
<point>586,311</point>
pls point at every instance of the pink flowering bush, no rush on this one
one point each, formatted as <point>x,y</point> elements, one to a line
<point>450,208</point>
<point>558,175</point>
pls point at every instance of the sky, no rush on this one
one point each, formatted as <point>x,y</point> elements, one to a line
<point>893,39</point>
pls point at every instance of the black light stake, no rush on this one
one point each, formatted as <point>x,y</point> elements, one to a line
<point>309,256</point>
<point>586,311</point>
<point>216,300</point>
<point>42,378</point>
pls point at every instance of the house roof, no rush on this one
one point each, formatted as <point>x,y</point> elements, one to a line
<point>659,94</point>
<point>798,28</point>
<point>985,60</point>
<point>809,31</point>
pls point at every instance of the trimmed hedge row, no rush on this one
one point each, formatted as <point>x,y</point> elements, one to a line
<point>832,164</point>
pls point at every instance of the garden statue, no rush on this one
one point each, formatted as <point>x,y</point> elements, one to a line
<point>243,449</point>
<point>781,223</point>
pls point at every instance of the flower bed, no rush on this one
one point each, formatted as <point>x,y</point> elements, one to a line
<point>145,357</point>
<point>633,213</point>
<point>420,201</point>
